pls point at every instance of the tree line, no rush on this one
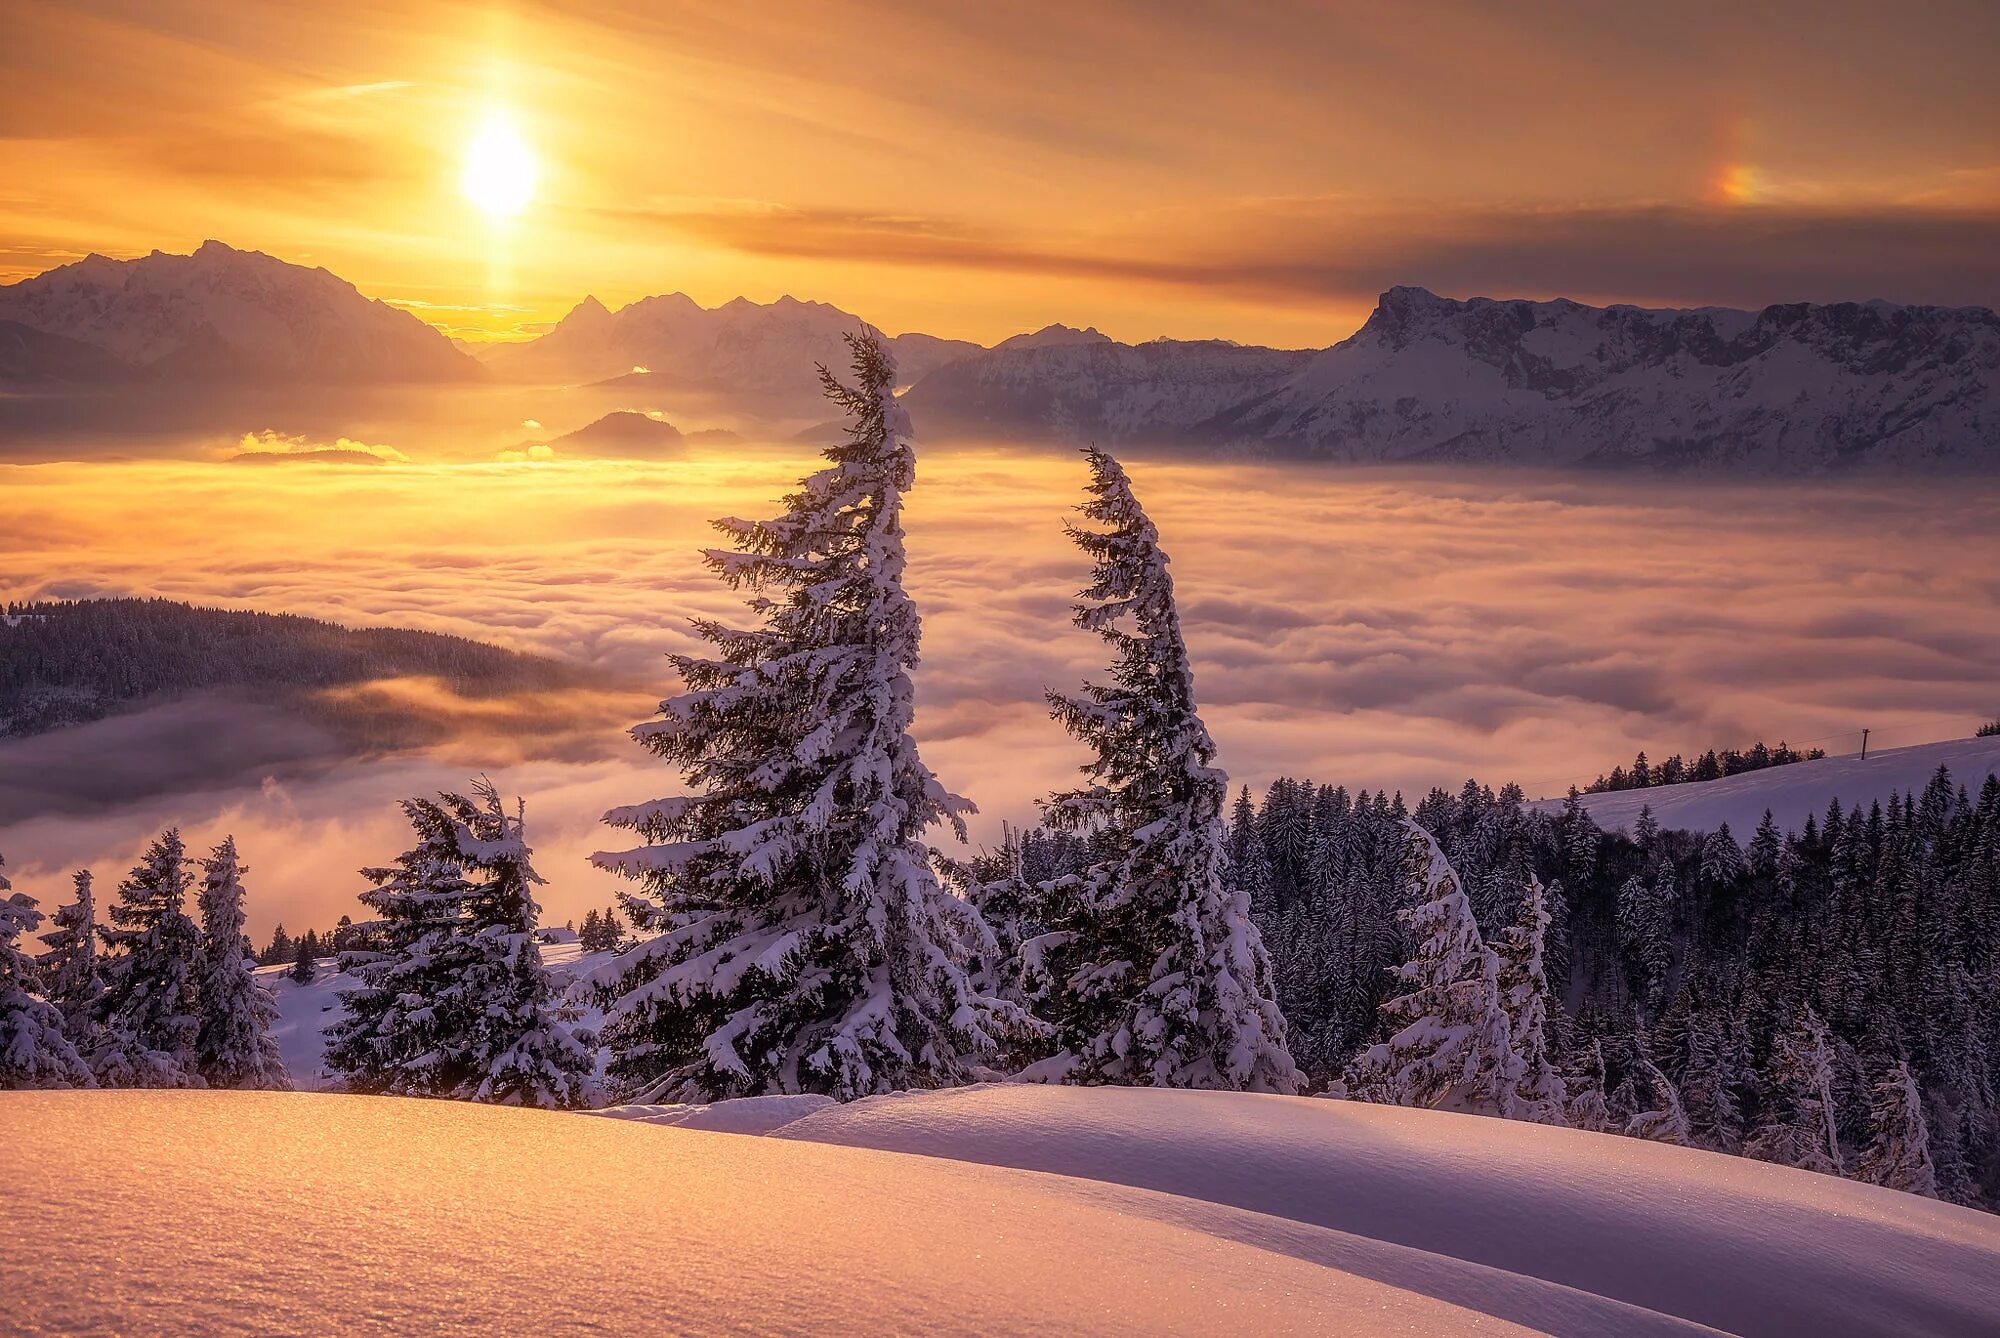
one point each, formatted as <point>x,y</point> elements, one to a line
<point>1709,766</point>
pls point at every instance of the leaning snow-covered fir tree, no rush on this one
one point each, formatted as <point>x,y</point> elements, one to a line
<point>150,1012</point>
<point>1799,1125</point>
<point>1453,1047</point>
<point>235,1047</point>
<point>69,968</point>
<point>1151,970</point>
<point>453,1000</point>
<point>797,935</point>
<point>34,1051</point>
<point>1664,1120</point>
<point>1899,1155</point>
<point>1540,1093</point>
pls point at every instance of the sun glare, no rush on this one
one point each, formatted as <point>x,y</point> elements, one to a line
<point>500,169</point>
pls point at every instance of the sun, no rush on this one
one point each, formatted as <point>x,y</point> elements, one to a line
<point>500,169</point>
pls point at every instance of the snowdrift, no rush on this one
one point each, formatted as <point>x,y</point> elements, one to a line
<point>214,1212</point>
<point>1555,1229</point>
<point>1793,792</point>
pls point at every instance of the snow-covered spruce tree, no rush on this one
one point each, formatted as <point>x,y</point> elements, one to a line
<point>1453,1048</point>
<point>396,1037</point>
<point>69,968</point>
<point>1645,930</point>
<point>150,1012</point>
<point>799,937</point>
<point>525,1051</point>
<point>1588,1107</point>
<point>1799,1127</point>
<point>1540,1093</point>
<point>998,888</point>
<point>1899,1157</point>
<point>305,964</point>
<point>454,1002</point>
<point>34,1051</point>
<point>1152,971</point>
<point>234,1047</point>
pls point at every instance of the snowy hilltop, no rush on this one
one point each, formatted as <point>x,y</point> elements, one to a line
<point>1790,389</point>
<point>762,354</point>
<point>218,314</point>
<point>1791,794</point>
<point>979,1211</point>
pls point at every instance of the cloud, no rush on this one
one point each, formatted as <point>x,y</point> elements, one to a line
<point>269,442</point>
<point>1315,250</point>
<point>1370,627</point>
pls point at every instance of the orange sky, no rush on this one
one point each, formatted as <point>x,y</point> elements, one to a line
<point>1183,169</point>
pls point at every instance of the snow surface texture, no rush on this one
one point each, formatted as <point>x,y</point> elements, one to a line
<point>744,1115</point>
<point>1554,1229</point>
<point>1793,792</point>
<point>241,1212</point>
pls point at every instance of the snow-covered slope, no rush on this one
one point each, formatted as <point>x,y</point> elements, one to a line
<point>238,1212</point>
<point>1557,1229</point>
<point>1553,1229</point>
<point>223,313</point>
<point>1078,385</point>
<point>764,354</point>
<point>1791,388</point>
<point>1797,791</point>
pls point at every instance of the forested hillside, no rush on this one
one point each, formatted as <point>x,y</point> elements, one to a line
<point>1725,979</point>
<point>68,662</point>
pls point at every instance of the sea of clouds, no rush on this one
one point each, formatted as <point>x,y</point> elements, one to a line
<point>1367,628</point>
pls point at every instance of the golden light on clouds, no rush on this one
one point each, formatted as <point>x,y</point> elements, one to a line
<point>501,170</point>
<point>977,171</point>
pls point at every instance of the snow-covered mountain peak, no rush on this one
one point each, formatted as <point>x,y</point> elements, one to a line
<point>1053,336</point>
<point>223,312</point>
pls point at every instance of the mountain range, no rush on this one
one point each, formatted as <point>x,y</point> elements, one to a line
<point>1791,388</point>
<point>765,352</point>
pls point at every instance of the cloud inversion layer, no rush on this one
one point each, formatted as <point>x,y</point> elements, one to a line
<point>1366,627</point>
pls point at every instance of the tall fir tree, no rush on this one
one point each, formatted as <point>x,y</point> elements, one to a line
<point>1540,1093</point>
<point>34,1051</point>
<point>1453,1047</point>
<point>235,1047</point>
<point>71,978</point>
<point>800,939</point>
<point>1899,1152</point>
<point>150,1012</point>
<point>1153,972</point>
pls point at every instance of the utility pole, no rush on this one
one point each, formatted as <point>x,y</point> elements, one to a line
<point>1864,745</point>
